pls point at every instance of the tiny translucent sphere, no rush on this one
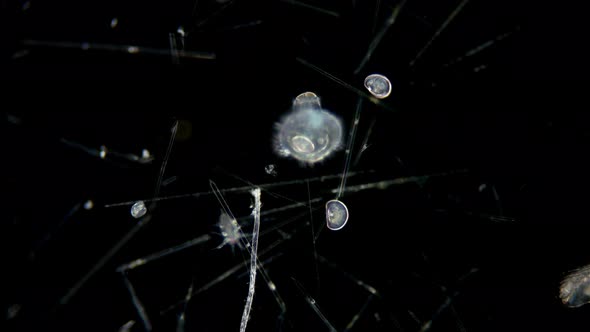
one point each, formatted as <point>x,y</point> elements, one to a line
<point>309,133</point>
<point>336,214</point>
<point>378,85</point>
<point>138,209</point>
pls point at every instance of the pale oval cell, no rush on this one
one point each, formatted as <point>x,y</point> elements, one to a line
<point>309,133</point>
<point>138,209</point>
<point>378,85</point>
<point>336,214</point>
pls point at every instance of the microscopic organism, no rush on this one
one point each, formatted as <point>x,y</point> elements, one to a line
<point>230,230</point>
<point>575,288</point>
<point>138,209</point>
<point>378,85</point>
<point>309,133</point>
<point>336,214</point>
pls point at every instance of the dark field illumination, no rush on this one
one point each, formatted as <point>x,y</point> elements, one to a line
<point>290,165</point>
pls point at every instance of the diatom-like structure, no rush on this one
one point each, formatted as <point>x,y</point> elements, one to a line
<point>309,133</point>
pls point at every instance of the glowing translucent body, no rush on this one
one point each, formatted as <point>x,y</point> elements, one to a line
<point>336,214</point>
<point>378,85</point>
<point>230,230</point>
<point>575,288</point>
<point>308,133</point>
<point>138,209</point>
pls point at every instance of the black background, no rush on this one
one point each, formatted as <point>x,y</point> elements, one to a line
<point>518,125</point>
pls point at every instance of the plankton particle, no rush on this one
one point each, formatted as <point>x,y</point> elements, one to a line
<point>378,85</point>
<point>336,214</point>
<point>575,288</point>
<point>138,209</point>
<point>309,133</point>
<point>230,230</point>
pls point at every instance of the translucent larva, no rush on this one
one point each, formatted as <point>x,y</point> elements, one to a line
<point>336,214</point>
<point>309,133</point>
<point>230,230</point>
<point>378,85</point>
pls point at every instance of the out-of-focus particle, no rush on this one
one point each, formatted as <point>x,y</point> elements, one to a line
<point>575,288</point>
<point>114,22</point>
<point>88,205</point>
<point>378,85</point>
<point>184,131</point>
<point>12,311</point>
<point>482,187</point>
<point>168,181</point>
<point>13,119</point>
<point>180,31</point>
<point>138,209</point>
<point>127,326</point>
<point>146,156</point>
<point>336,214</point>
<point>20,54</point>
<point>270,170</point>
<point>103,152</point>
<point>309,133</point>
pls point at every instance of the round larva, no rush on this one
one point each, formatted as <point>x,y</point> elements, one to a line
<point>308,133</point>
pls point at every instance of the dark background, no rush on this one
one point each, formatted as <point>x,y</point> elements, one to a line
<point>518,124</point>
